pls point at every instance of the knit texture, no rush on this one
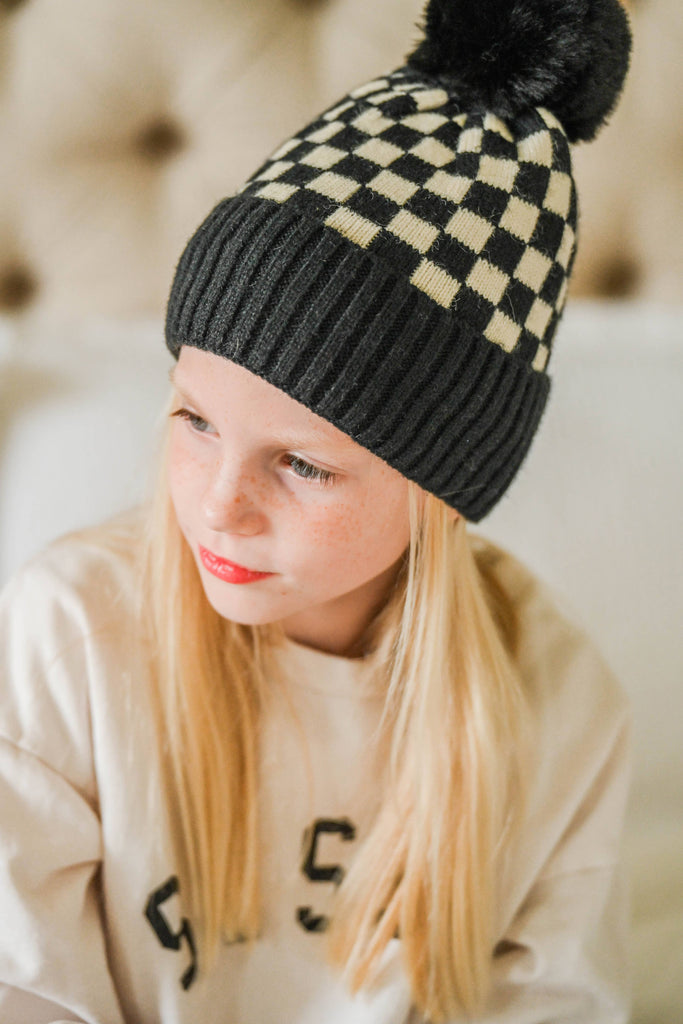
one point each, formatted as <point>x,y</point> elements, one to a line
<point>399,269</point>
<point>400,266</point>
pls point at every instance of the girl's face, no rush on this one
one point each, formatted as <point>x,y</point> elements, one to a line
<point>261,485</point>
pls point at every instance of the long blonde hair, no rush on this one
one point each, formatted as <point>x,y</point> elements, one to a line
<point>454,726</point>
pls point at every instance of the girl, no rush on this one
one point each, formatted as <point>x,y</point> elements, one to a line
<point>290,744</point>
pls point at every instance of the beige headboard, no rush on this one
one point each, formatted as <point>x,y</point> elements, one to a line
<point>122,122</point>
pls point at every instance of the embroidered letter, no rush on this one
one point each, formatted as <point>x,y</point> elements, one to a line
<point>321,872</point>
<point>162,929</point>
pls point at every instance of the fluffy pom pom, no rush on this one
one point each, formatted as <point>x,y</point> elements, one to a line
<point>570,56</point>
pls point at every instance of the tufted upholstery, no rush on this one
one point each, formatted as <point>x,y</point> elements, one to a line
<point>121,123</point>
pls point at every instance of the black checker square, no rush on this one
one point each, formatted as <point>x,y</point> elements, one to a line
<point>430,207</point>
<point>552,285</point>
<point>399,255</point>
<point>300,175</point>
<point>573,207</point>
<point>468,186</point>
<point>401,105</point>
<point>527,346</point>
<point>497,146</point>
<point>453,256</point>
<point>531,182</point>
<point>298,152</point>
<point>402,136</point>
<point>313,203</point>
<point>347,138</point>
<point>548,233</point>
<point>504,250</point>
<point>412,168</point>
<point>372,206</point>
<point>560,148</point>
<point>485,200</point>
<point>448,134</point>
<point>475,310</point>
<point>517,300</point>
<point>357,168</point>
<point>468,165</point>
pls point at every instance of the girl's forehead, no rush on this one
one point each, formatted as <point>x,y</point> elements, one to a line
<point>210,380</point>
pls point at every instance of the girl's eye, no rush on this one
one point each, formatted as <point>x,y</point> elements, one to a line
<point>309,472</point>
<point>196,422</point>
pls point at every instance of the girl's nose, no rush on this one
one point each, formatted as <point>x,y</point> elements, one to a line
<point>231,505</point>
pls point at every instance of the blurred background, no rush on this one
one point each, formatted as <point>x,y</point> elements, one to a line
<point>122,123</point>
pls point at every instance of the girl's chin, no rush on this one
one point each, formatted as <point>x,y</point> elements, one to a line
<point>243,608</point>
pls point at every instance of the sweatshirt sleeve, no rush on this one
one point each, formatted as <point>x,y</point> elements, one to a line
<point>564,953</point>
<point>53,954</point>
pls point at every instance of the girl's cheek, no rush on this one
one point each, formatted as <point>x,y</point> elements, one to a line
<point>334,528</point>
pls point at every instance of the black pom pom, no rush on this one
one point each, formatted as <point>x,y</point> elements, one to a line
<point>570,56</point>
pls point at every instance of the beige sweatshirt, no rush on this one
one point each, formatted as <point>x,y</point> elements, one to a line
<point>92,922</point>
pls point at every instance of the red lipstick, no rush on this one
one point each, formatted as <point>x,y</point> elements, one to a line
<point>228,571</point>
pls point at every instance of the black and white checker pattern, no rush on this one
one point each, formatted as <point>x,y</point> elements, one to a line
<point>478,214</point>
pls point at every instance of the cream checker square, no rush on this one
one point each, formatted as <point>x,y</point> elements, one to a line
<point>533,268</point>
<point>372,122</point>
<point>380,97</point>
<point>492,123</point>
<point>427,99</point>
<point>278,191</point>
<point>393,187</point>
<point>354,227</point>
<point>413,230</point>
<point>564,253</point>
<point>275,170</point>
<point>379,152</point>
<point>558,196</point>
<point>520,218</point>
<point>327,132</point>
<point>503,331</point>
<point>470,140</point>
<point>488,280</point>
<point>449,186</point>
<point>367,87</point>
<point>541,358</point>
<point>323,157</point>
<point>536,149</point>
<point>285,148</point>
<point>436,283</point>
<point>425,122</point>
<point>499,173</point>
<point>433,152</point>
<point>335,186</point>
<point>539,318</point>
<point>470,229</point>
<point>332,114</point>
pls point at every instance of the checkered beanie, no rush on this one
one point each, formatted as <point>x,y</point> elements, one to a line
<point>400,265</point>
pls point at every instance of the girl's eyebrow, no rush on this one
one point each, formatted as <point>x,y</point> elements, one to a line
<point>179,388</point>
<point>305,437</point>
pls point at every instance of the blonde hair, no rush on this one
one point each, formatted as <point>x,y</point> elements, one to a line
<point>453,723</point>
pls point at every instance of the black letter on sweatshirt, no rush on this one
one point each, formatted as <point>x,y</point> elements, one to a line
<point>321,872</point>
<point>168,938</point>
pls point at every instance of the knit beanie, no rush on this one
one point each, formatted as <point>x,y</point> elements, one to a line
<point>400,265</point>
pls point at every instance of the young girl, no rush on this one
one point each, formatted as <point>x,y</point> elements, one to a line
<point>290,744</point>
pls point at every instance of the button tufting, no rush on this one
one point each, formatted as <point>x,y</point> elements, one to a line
<point>159,140</point>
<point>17,288</point>
<point>618,278</point>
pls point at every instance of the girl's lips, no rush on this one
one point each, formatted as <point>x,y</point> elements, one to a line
<point>228,571</point>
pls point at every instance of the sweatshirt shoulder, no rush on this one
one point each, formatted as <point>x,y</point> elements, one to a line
<point>559,661</point>
<point>87,576</point>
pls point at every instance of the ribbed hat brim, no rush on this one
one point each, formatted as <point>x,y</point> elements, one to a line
<point>298,304</point>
